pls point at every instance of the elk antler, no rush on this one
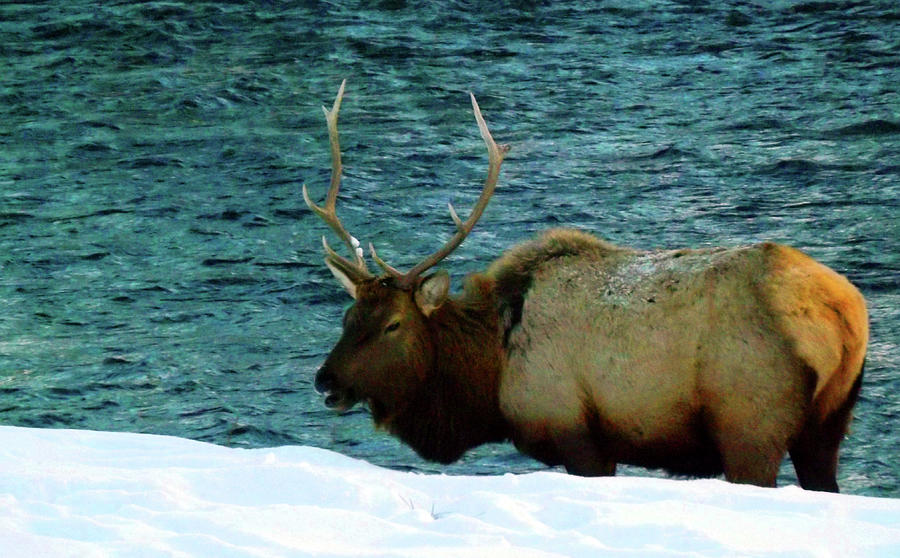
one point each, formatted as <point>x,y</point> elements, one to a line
<point>357,267</point>
<point>495,159</point>
<point>328,213</point>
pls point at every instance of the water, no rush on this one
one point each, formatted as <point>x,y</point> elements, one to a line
<point>160,273</point>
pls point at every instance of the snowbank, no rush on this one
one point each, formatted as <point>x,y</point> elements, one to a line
<point>82,493</point>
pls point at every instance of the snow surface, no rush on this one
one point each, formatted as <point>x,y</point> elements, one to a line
<point>83,493</point>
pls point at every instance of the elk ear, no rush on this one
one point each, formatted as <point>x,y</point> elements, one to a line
<point>432,292</point>
<point>349,276</point>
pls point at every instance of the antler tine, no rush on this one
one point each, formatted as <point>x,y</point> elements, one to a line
<point>328,213</point>
<point>390,270</point>
<point>496,153</point>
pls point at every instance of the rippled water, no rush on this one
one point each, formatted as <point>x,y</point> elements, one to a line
<point>160,273</point>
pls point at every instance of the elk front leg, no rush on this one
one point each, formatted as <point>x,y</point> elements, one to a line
<point>572,449</point>
<point>581,456</point>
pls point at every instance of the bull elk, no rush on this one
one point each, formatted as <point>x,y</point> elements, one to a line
<point>586,354</point>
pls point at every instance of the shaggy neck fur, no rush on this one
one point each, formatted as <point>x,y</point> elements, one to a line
<point>457,406</point>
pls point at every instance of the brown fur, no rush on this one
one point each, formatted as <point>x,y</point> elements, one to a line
<point>586,354</point>
<point>443,403</point>
<point>456,407</point>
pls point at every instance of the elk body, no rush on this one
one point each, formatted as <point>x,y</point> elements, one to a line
<point>586,354</point>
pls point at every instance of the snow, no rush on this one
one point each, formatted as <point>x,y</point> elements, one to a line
<point>83,493</point>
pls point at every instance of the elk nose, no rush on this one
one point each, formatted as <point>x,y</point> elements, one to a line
<point>324,381</point>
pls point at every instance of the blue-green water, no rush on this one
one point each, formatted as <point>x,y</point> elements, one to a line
<point>160,273</point>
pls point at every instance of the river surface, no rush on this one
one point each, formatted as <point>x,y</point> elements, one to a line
<point>160,273</point>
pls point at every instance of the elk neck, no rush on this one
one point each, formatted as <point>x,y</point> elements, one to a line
<point>456,408</point>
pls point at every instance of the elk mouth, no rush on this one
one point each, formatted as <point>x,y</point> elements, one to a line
<point>336,397</point>
<point>340,400</point>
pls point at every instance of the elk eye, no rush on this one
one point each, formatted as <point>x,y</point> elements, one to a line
<point>393,326</point>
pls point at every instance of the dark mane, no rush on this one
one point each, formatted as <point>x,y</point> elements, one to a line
<point>457,406</point>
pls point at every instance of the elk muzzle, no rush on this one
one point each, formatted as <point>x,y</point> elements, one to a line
<point>336,397</point>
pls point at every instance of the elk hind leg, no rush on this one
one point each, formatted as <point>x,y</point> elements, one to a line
<point>745,464</point>
<point>748,456</point>
<point>815,451</point>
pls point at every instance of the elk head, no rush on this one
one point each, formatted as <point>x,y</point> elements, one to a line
<point>386,350</point>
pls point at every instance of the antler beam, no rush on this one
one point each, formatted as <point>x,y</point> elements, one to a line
<point>328,213</point>
<point>496,153</point>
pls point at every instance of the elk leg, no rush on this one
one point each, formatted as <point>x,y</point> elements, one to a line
<point>751,466</point>
<point>815,451</point>
<point>815,461</point>
<point>748,458</point>
<point>582,456</point>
